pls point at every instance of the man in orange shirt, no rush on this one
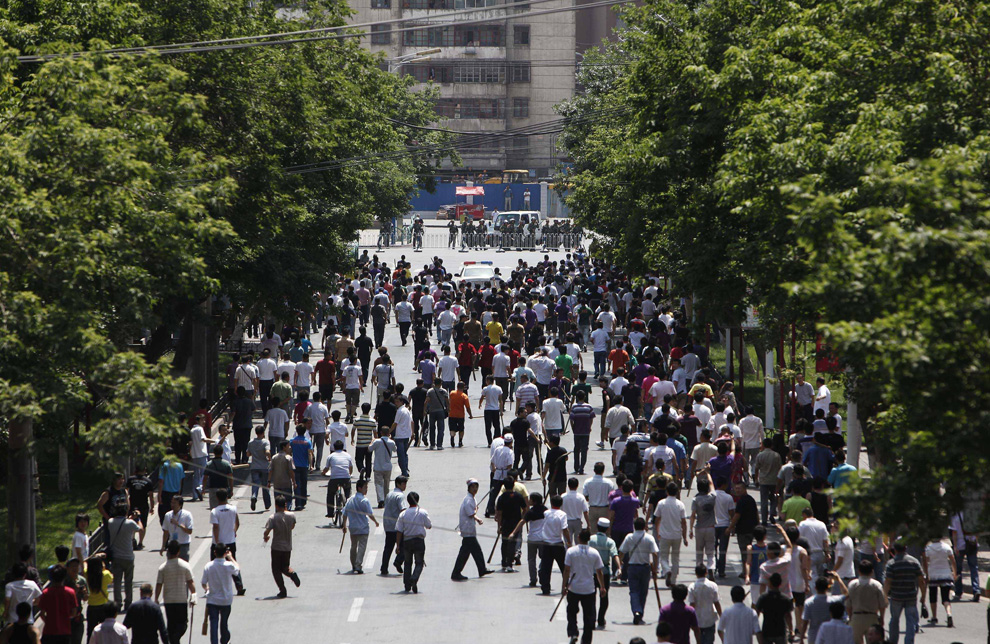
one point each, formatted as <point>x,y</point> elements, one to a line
<point>459,404</point>
<point>618,358</point>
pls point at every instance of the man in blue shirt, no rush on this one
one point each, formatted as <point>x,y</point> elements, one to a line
<point>302,454</point>
<point>170,477</point>
<point>842,472</point>
<point>679,453</point>
<point>357,510</point>
<point>818,459</point>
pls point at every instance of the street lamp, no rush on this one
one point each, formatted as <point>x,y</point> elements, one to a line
<point>417,57</point>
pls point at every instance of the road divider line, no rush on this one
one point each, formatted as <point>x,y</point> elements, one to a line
<point>355,609</point>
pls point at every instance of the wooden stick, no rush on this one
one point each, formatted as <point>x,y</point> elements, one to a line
<point>192,620</point>
<point>656,589</point>
<point>206,622</point>
<point>343,536</point>
<point>563,593</point>
<point>492,553</point>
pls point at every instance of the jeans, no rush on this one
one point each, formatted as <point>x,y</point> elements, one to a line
<point>218,621</point>
<point>586,604</point>
<point>332,486</point>
<point>670,553</point>
<point>817,564</point>
<point>707,635</point>
<point>581,451</point>
<point>413,553</point>
<point>123,572</point>
<point>445,336</point>
<point>910,610</point>
<point>469,548</point>
<point>639,586</point>
<point>259,479</point>
<point>402,454</point>
<point>974,573</point>
<point>387,552</point>
<point>283,492</point>
<point>585,331</point>
<point>359,543</point>
<point>199,464</point>
<point>550,554</point>
<point>178,621</point>
<point>600,362</point>
<point>382,480</point>
<point>768,503</point>
<point>722,548</point>
<point>437,428</point>
<point>302,479</point>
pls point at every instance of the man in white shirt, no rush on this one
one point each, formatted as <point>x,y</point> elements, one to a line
<point>703,597</point>
<point>608,319</point>
<point>445,323</point>
<point>556,539</point>
<point>724,507</point>
<point>277,424</point>
<point>816,532</point>
<point>447,368</point>
<point>198,455</point>
<point>177,526</point>
<point>246,375</point>
<point>218,582</point>
<point>575,506</point>
<point>823,397</point>
<point>492,401</point>
<point>353,387</point>
<point>552,415</point>
<point>316,417</point>
<point>641,550</point>
<point>543,367</point>
<point>411,528</point>
<point>752,438</point>
<point>678,377</point>
<point>617,417</point>
<point>340,465</point>
<point>19,590</point>
<point>287,366</point>
<point>381,450</point>
<point>226,523</point>
<point>304,375</point>
<point>582,566</point>
<point>617,383</point>
<point>402,432</point>
<point>600,342</point>
<point>659,389</point>
<point>501,462</point>
<point>467,522</point>
<point>739,623</point>
<point>109,631</point>
<point>670,529</point>
<point>267,372</point>
<point>596,490</point>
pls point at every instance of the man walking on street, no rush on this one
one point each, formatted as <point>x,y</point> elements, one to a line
<point>279,528</point>
<point>226,523</point>
<point>411,530</point>
<point>467,524</point>
<point>218,582</point>
<point>282,473</point>
<point>382,449</point>
<point>901,583</point>
<point>582,574</point>
<point>145,620</point>
<point>395,503</point>
<point>177,589</point>
<point>358,511</point>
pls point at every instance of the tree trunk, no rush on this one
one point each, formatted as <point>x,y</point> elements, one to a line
<point>63,469</point>
<point>21,529</point>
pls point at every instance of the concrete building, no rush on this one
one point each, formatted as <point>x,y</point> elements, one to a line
<point>502,75</point>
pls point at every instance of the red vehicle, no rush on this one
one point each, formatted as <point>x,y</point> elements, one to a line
<point>475,211</point>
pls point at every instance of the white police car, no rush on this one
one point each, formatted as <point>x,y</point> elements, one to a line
<point>476,273</point>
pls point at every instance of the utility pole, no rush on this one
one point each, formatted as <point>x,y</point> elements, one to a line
<point>21,528</point>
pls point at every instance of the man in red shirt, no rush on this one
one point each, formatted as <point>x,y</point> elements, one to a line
<point>487,353</point>
<point>618,358</point>
<point>58,605</point>
<point>465,360</point>
<point>326,371</point>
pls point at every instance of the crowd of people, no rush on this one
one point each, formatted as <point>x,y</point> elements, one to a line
<point>673,456</point>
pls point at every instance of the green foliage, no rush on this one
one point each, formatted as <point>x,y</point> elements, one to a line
<point>826,162</point>
<point>134,188</point>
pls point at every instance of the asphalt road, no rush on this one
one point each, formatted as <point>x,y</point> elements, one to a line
<point>345,609</point>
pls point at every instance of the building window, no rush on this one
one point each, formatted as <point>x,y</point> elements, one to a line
<point>479,36</point>
<point>471,108</point>
<point>381,4</point>
<point>427,4</point>
<point>520,34</point>
<point>520,72</point>
<point>520,107</point>
<point>479,73</point>
<point>381,35</point>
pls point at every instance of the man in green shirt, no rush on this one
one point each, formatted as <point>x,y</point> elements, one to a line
<point>283,391</point>
<point>793,507</point>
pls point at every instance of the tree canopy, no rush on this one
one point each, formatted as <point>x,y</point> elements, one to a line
<point>135,187</point>
<point>826,162</point>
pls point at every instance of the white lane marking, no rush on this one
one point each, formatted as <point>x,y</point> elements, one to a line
<point>355,609</point>
<point>371,555</point>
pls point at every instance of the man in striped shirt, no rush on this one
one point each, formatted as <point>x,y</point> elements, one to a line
<point>526,393</point>
<point>582,417</point>
<point>362,433</point>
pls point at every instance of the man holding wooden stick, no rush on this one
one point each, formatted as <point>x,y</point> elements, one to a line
<point>582,566</point>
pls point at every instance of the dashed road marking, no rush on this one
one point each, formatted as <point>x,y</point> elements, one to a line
<point>355,609</point>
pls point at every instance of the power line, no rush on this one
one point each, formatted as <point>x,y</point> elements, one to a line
<point>245,42</point>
